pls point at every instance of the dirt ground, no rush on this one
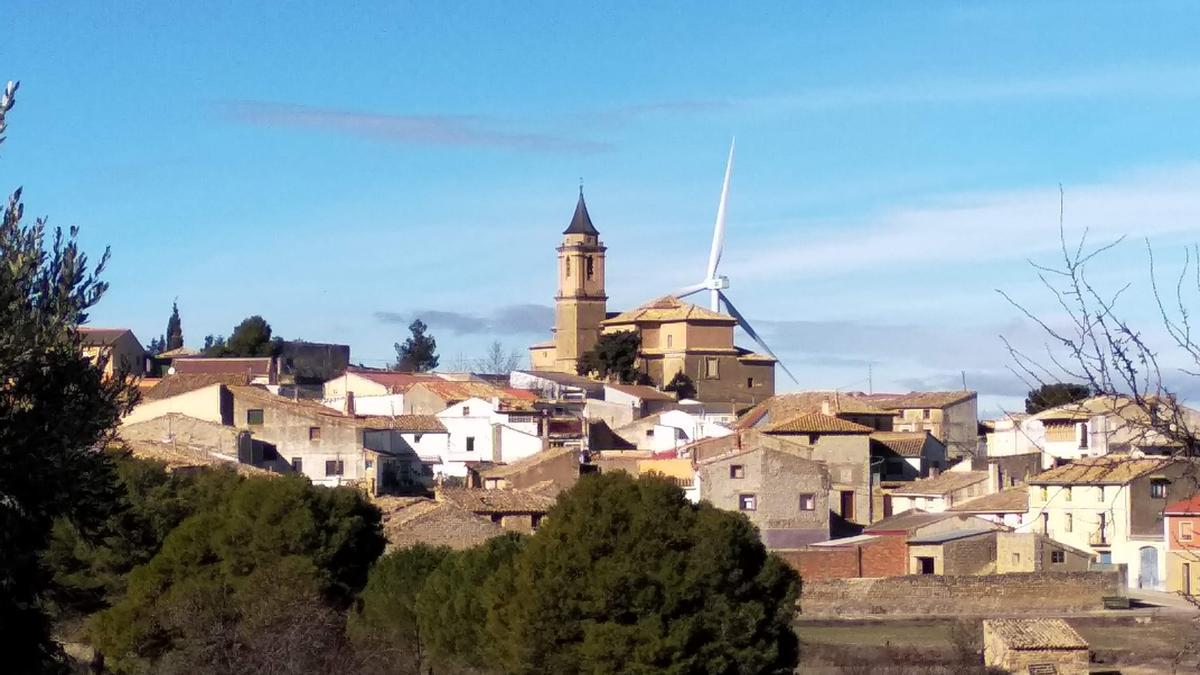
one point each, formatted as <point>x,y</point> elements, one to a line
<point>1124,644</point>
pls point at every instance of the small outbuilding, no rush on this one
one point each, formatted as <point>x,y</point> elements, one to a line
<point>1034,646</point>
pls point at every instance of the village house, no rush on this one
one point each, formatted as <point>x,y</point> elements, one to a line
<point>1094,427</point>
<point>113,350</point>
<point>552,385</point>
<point>514,510</point>
<point>489,430</point>
<point>660,432</point>
<point>1112,507</point>
<point>784,493</point>
<point>1034,552</point>
<point>859,556</point>
<point>950,416</point>
<point>906,455</point>
<point>1181,529</point>
<point>966,551</point>
<point>1034,646</point>
<point>329,446</point>
<point>416,520</point>
<point>845,447</point>
<point>547,472</point>
<point>938,493</point>
<point>262,370</point>
<point>846,407</point>
<point>1008,507</point>
<point>376,392</point>
<point>933,531</point>
<point>1004,436</point>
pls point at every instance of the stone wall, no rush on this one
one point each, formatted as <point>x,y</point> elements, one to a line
<point>972,555</point>
<point>965,595</point>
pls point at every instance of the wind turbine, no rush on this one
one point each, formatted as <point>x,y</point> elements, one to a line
<point>716,284</point>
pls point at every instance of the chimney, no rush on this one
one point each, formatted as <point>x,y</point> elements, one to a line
<point>825,407</point>
<point>348,404</point>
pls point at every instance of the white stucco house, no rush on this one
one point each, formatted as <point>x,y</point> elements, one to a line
<point>486,431</point>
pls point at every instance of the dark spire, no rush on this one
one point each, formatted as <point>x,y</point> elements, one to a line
<point>581,222</point>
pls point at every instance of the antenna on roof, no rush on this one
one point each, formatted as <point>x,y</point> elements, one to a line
<point>964,379</point>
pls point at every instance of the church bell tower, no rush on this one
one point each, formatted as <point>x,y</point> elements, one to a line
<point>580,304</point>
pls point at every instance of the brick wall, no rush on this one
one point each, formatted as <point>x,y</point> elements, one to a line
<point>881,557</point>
<point>930,594</point>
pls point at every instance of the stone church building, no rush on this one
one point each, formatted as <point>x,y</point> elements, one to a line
<point>676,336</point>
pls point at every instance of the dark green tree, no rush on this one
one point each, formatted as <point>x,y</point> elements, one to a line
<point>251,337</point>
<point>174,338</point>
<point>221,563</point>
<point>682,386</point>
<point>55,409</point>
<point>452,607</point>
<point>157,346</point>
<point>1053,395</point>
<point>384,619</point>
<point>615,356</point>
<point>627,575</point>
<point>418,354</point>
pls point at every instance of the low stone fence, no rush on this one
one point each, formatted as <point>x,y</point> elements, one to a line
<point>966,595</point>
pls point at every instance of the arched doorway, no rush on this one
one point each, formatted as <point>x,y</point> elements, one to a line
<point>1147,567</point>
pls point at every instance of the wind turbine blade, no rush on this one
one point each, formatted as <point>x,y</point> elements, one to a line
<point>688,290</point>
<point>718,242</point>
<point>754,335</point>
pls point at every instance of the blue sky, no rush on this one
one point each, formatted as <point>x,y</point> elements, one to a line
<point>339,169</point>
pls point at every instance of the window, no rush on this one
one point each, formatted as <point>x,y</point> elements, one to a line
<point>334,467</point>
<point>254,416</point>
<point>808,502</point>
<point>298,465</point>
<point>466,411</point>
<point>1067,494</point>
<point>925,414</point>
<point>535,520</point>
<point>1083,436</point>
<point>749,382</point>
<point>368,463</point>
<point>1158,488</point>
<point>1069,524</point>
<point>650,433</point>
<point>1016,559</point>
<point>590,267</point>
<point>497,518</point>
<point>417,438</point>
<point>314,433</point>
<point>1185,530</point>
<point>1058,557</point>
<point>470,444</point>
<point>747,503</point>
<point>1045,493</point>
<point>568,261</point>
<point>670,340</point>
<point>1100,493</point>
<point>711,368</point>
<point>737,471</point>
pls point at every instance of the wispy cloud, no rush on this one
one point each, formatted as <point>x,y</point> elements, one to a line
<point>434,130</point>
<point>1008,225</point>
<point>526,319</point>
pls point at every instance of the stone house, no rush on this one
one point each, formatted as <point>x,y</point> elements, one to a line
<point>1032,552</point>
<point>514,510</point>
<point>114,350</point>
<point>407,522</point>
<point>921,526</point>
<point>846,456</point>
<point>950,416</point>
<point>845,447</point>
<point>780,490</point>
<point>841,405</point>
<point>962,552</point>
<point>906,455</point>
<point>550,471</point>
<point>1034,646</point>
<point>1181,529</point>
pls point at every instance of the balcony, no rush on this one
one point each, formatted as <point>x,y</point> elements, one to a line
<point>1098,538</point>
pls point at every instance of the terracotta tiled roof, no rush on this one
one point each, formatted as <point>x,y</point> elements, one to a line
<point>667,309</point>
<point>453,392</point>
<point>783,406</point>
<point>923,399</point>
<point>416,424</point>
<point>642,391</point>
<point>813,423</point>
<point>94,337</point>
<point>946,483</point>
<point>396,382</point>
<point>254,366</point>
<point>1113,469</point>
<point>424,521</point>
<point>174,385</point>
<point>512,468</point>
<point>502,501</point>
<point>903,443</point>
<point>178,353</point>
<point>1010,500</point>
<point>1187,507</point>
<point>908,521</point>
<point>179,456</point>
<point>1036,633</point>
